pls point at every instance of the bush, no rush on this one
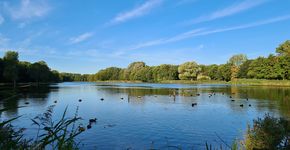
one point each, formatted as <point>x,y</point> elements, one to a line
<point>268,133</point>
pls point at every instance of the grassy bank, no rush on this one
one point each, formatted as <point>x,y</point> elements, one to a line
<point>261,82</point>
<point>194,82</point>
<point>254,82</point>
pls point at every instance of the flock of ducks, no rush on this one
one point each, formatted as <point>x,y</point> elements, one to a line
<point>89,126</point>
<point>94,120</point>
<point>174,95</point>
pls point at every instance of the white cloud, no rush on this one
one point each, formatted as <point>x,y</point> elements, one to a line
<point>231,10</point>
<point>28,9</point>
<point>200,32</point>
<point>166,40</point>
<point>1,19</point>
<point>3,40</point>
<point>81,37</point>
<point>136,12</point>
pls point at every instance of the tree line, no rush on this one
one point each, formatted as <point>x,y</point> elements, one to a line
<point>275,66</point>
<point>238,66</point>
<point>12,71</point>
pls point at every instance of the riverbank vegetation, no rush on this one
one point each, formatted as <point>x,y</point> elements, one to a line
<point>266,133</point>
<point>51,134</point>
<point>237,69</point>
<point>274,67</point>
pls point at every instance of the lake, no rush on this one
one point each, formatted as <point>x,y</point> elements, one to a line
<point>145,115</point>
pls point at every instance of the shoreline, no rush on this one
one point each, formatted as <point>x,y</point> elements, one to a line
<point>250,82</point>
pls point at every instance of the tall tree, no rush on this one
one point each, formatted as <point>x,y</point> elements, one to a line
<point>236,61</point>
<point>284,49</point>
<point>39,72</point>
<point>188,71</point>
<point>11,66</point>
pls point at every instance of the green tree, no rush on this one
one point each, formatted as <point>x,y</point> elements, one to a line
<point>23,71</point>
<point>11,66</point>
<point>188,71</point>
<point>165,72</point>
<point>236,61</point>
<point>1,69</point>
<point>39,72</point>
<point>133,69</point>
<point>224,72</point>
<point>284,49</point>
<point>111,73</point>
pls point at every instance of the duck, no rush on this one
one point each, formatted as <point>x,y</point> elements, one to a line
<point>247,99</point>
<point>122,98</point>
<point>81,129</point>
<point>193,104</point>
<point>93,120</point>
<point>232,100</point>
<point>250,105</point>
<point>231,97</point>
<point>80,100</point>
<point>26,103</point>
<point>102,99</point>
<point>55,101</point>
<point>197,94</point>
<point>89,126</point>
<point>242,105</point>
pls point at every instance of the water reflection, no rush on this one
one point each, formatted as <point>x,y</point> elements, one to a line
<point>12,99</point>
<point>137,114</point>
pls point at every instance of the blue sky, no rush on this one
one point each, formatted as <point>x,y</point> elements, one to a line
<point>84,36</point>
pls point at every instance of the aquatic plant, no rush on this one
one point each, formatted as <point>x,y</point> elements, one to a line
<point>268,133</point>
<point>51,134</point>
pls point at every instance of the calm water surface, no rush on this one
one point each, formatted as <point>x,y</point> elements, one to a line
<point>151,117</point>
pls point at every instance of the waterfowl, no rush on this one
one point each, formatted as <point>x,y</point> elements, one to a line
<point>122,98</point>
<point>80,100</point>
<point>26,103</point>
<point>102,99</point>
<point>93,120</point>
<point>242,105</point>
<point>231,97</point>
<point>81,129</point>
<point>223,93</point>
<point>250,105</point>
<point>89,126</point>
<point>193,104</point>
<point>197,94</point>
<point>232,100</point>
<point>139,96</point>
<point>55,101</point>
<point>247,99</point>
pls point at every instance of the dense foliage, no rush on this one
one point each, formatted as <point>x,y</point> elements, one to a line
<point>238,66</point>
<point>13,70</point>
<point>268,133</point>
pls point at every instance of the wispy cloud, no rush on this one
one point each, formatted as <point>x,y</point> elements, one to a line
<point>166,40</point>
<point>181,2</point>
<point>27,9</point>
<point>138,11</point>
<point>228,11</point>
<point>201,32</point>
<point>1,19</point>
<point>81,38</point>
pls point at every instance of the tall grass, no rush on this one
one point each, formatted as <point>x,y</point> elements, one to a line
<point>51,134</point>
